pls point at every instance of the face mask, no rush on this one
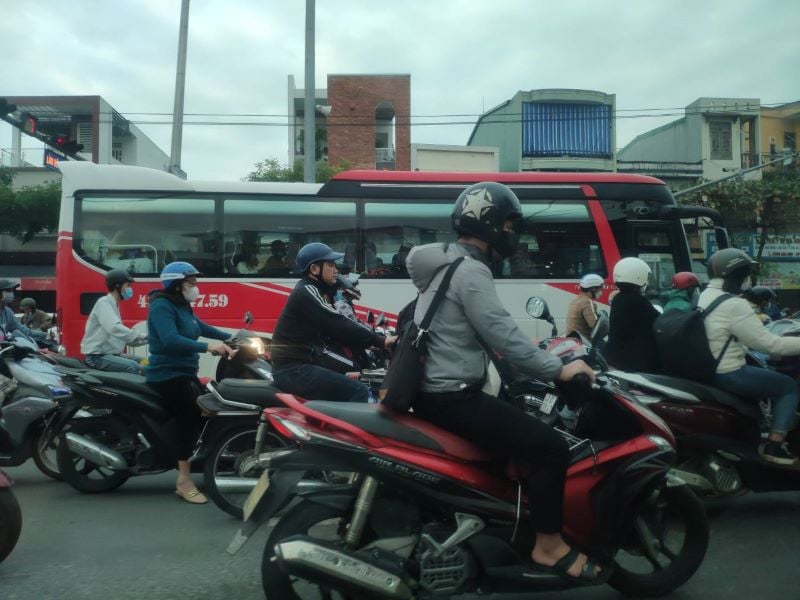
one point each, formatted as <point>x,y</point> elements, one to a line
<point>747,284</point>
<point>191,294</point>
<point>127,293</point>
<point>8,297</point>
<point>507,243</point>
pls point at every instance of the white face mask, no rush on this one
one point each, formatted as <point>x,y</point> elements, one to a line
<point>191,294</point>
<point>747,284</point>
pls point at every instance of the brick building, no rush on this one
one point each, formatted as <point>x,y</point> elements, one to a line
<point>365,121</point>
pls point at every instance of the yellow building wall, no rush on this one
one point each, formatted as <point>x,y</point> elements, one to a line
<point>776,121</point>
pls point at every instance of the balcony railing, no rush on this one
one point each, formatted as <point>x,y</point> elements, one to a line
<point>384,155</point>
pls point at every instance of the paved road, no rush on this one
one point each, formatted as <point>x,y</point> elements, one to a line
<point>142,542</point>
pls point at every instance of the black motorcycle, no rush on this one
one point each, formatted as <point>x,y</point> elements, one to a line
<point>128,432</point>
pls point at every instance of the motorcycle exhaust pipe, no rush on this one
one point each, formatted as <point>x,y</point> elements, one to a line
<point>96,453</point>
<point>349,572</point>
<point>246,484</point>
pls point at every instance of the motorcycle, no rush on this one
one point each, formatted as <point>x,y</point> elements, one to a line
<point>718,433</point>
<point>127,432</point>
<point>10,517</point>
<point>31,393</point>
<point>428,515</point>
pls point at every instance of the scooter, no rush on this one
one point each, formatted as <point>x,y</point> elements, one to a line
<point>129,433</point>
<point>429,516</point>
<point>31,393</point>
<point>718,433</point>
<point>10,517</point>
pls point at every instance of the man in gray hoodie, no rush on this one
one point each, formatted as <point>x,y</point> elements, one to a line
<point>486,216</point>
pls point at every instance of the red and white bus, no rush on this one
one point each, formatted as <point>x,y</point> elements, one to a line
<point>244,236</point>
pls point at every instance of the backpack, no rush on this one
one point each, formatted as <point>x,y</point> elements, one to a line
<point>683,345</point>
<point>407,367</point>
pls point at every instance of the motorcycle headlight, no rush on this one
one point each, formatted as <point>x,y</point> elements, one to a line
<point>257,344</point>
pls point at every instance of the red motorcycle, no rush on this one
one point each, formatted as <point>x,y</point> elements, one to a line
<point>429,515</point>
<point>10,517</point>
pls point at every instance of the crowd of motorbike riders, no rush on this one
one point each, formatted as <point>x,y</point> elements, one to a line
<point>311,332</point>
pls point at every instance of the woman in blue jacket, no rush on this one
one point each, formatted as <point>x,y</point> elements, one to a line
<point>173,332</point>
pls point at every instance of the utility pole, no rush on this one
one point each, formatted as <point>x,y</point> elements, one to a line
<point>180,84</point>
<point>310,115</point>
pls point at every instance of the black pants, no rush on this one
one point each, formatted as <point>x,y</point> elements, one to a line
<point>313,382</point>
<point>179,399</point>
<point>506,431</point>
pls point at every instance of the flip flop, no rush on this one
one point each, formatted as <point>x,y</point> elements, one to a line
<point>193,496</point>
<point>587,576</point>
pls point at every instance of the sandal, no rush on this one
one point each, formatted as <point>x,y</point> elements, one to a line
<point>587,576</point>
<point>193,496</point>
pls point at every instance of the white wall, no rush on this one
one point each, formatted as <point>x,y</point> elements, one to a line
<point>436,157</point>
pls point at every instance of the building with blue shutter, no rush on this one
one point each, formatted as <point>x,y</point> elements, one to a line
<point>551,130</point>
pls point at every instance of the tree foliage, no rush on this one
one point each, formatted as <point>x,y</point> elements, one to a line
<point>766,206</point>
<point>272,170</point>
<point>31,210</point>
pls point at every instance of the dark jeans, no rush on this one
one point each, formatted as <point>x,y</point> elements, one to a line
<point>318,383</point>
<point>754,382</point>
<point>179,399</point>
<point>505,431</point>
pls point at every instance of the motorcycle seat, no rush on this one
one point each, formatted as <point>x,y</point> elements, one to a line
<point>407,429</point>
<point>249,391</point>
<point>125,381</point>
<point>704,393</point>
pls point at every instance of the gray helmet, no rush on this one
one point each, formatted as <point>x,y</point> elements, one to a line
<point>7,284</point>
<point>116,277</point>
<point>28,303</point>
<point>724,263</point>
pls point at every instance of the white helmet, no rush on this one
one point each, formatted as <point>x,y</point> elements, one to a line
<point>591,281</point>
<point>632,270</point>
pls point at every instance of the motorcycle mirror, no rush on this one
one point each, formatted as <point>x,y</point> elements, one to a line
<point>381,320</point>
<point>370,318</point>
<point>537,308</point>
<point>248,318</point>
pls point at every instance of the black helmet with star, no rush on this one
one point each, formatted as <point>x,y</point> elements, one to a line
<point>481,211</point>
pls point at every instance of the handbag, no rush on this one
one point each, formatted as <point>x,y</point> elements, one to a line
<point>406,370</point>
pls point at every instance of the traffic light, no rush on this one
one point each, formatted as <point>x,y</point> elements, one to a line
<point>66,145</point>
<point>6,107</point>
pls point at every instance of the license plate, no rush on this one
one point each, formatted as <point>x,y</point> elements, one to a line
<point>256,495</point>
<point>548,403</point>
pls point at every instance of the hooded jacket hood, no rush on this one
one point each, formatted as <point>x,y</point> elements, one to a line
<point>424,262</point>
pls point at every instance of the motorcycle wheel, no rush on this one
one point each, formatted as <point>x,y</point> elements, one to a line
<point>10,522</point>
<point>82,474</point>
<point>222,465</point>
<point>652,563</point>
<point>306,518</point>
<point>45,455</point>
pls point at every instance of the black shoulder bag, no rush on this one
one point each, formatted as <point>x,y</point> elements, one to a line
<point>406,370</point>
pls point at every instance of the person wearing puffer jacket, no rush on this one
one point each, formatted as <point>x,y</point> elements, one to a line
<point>731,329</point>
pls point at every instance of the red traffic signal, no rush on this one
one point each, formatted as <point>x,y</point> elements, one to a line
<point>66,145</point>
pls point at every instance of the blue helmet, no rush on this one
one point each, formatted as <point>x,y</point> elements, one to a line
<point>176,271</point>
<point>315,252</point>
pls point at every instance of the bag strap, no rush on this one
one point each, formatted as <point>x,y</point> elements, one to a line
<point>438,297</point>
<point>708,309</point>
<point>715,304</point>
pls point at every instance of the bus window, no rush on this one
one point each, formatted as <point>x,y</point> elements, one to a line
<point>391,229</point>
<point>141,235</point>
<point>261,237</point>
<point>558,240</point>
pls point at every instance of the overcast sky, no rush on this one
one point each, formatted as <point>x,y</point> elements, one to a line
<point>463,56</point>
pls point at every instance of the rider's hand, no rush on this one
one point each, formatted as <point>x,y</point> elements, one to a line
<point>569,370</point>
<point>221,349</point>
<point>389,341</point>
